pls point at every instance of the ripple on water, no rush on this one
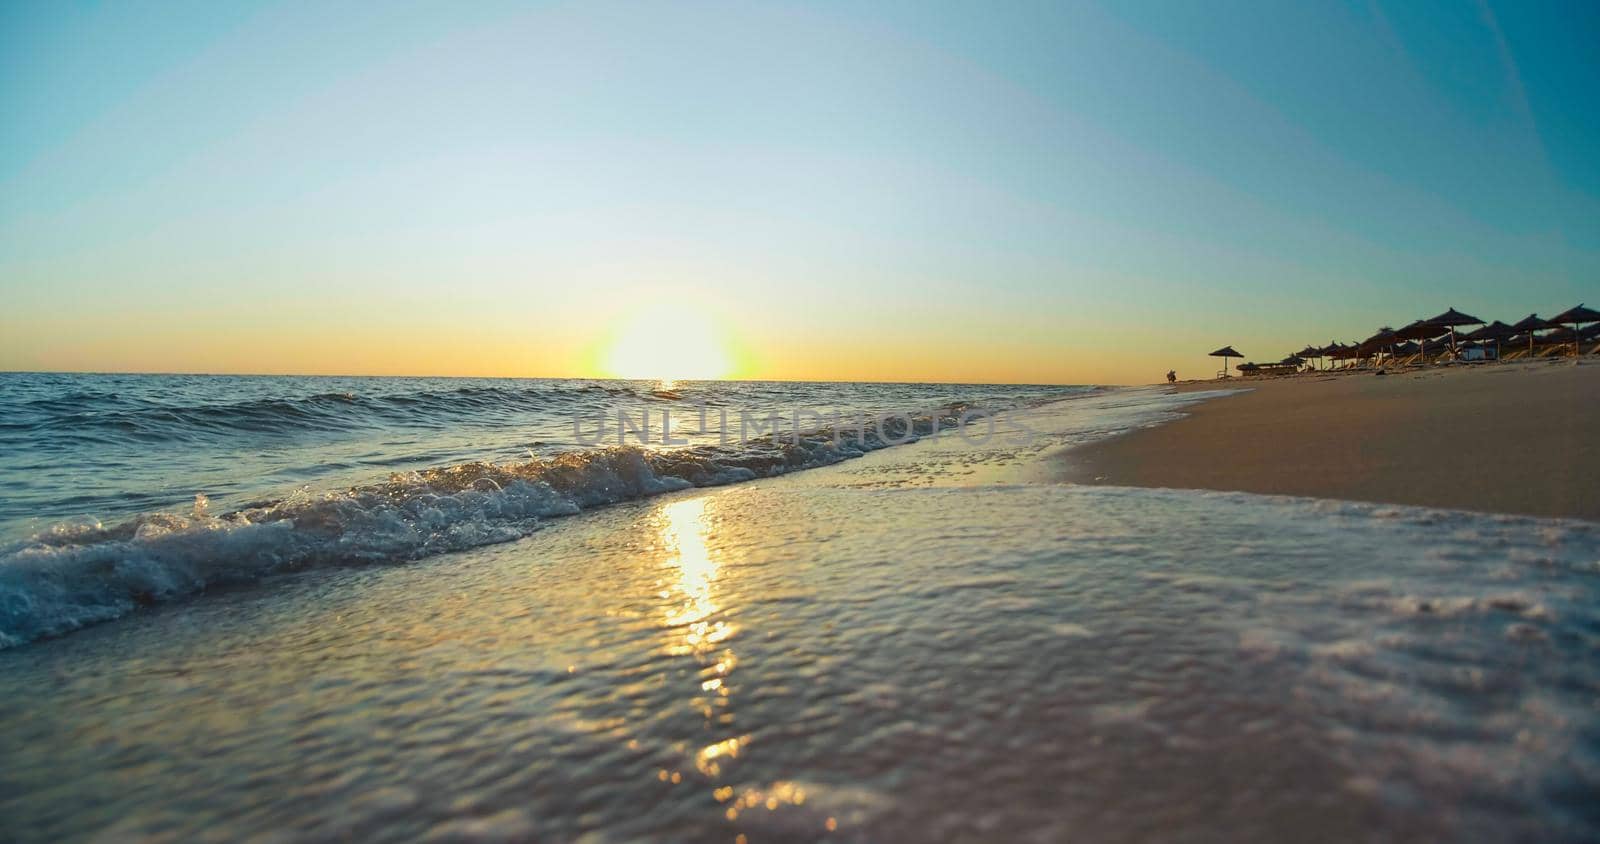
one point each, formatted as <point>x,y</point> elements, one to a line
<point>925,664</point>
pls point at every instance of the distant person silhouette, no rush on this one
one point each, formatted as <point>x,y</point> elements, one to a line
<point>1172,377</point>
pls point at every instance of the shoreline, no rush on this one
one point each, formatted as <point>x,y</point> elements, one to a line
<point>1436,437</point>
<point>863,651</point>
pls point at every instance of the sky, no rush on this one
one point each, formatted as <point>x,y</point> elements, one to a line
<point>918,191</point>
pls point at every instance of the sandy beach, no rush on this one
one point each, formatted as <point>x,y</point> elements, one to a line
<point>1496,438</point>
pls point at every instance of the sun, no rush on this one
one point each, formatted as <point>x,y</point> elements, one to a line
<point>669,342</point>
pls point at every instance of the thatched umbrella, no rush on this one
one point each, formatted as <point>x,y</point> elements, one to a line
<point>1310,352</point>
<point>1420,330</point>
<point>1339,351</point>
<point>1225,352</point>
<point>1384,339</point>
<point>1574,316</point>
<point>1495,331</point>
<point>1530,324</point>
<point>1335,350</point>
<point>1452,318</point>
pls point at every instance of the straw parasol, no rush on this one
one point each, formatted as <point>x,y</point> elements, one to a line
<point>1384,339</point>
<point>1574,316</point>
<point>1530,324</point>
<point>1495,331</point>
<point>1351,354</point>
<point>1336,350</point>
<point>1421,330</point>
<point>1452,318</point>
<point>1309,353</point>
<point>1225,352</point>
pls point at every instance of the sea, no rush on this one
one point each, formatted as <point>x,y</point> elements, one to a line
<point>397,609</point>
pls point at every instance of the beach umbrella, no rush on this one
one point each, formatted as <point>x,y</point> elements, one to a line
<point>1574,316</point>
<point>1559,336</point>
<point>1336,351</point>
<point>1309,352</point>
<point>1419,330</point>
<point>1350,353</point>
<point>1353,353</point>
<point>1495,331</point>
<point>1225,352</point>
<point>1530,324</point>
<point>1383,339</point>
<point>1452,318</point>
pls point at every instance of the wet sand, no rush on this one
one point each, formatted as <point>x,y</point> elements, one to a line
<point>1494,438</point>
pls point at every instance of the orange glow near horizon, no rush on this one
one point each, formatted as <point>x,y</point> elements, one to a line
<point>688,335</point>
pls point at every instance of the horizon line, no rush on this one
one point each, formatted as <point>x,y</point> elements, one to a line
<point>545,378</point>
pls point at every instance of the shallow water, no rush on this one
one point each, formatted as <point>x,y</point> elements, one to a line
<point>894,648</point>
<point>118,492</point>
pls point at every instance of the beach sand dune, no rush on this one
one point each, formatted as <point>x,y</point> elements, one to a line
<point>1497,438</point>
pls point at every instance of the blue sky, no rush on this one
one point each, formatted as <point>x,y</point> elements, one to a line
<point>1063,192</point>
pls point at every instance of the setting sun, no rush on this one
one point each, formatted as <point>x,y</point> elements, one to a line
<point>669,342</point>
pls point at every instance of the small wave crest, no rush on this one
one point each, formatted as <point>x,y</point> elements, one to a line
<point>93,416</point>
<point>73,575</point>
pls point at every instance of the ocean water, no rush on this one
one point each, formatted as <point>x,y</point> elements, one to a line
<point>118,491</point>
<point>927,642</point>
<point>106,447</point>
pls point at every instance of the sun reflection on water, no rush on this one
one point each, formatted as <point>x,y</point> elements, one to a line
<point>692,596</point>
<point>695,630</point>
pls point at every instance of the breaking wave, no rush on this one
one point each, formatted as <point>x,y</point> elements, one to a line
<point>77,574</point>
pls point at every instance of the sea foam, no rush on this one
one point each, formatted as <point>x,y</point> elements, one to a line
<point>76,574</point>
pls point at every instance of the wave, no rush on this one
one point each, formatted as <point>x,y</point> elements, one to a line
<point>73,575</point>
<point>96,416</point>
